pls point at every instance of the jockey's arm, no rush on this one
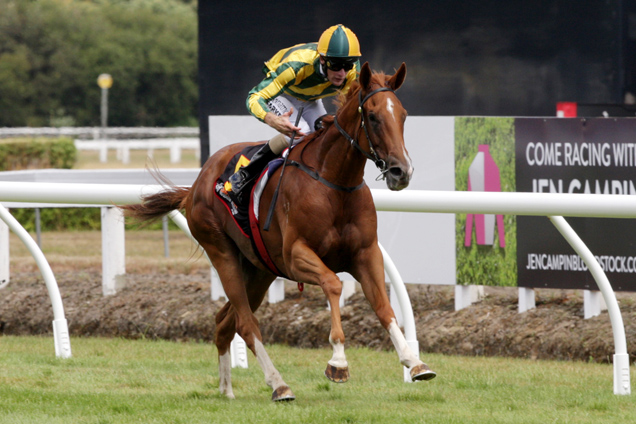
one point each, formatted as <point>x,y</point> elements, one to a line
<point>271,87</point>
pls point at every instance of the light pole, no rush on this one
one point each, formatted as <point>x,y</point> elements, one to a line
<point>105,81</point>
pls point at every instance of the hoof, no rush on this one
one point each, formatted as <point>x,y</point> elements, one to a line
<point>283,394</point>
<point>229,395</point>
<point>336,374</point>
<point>422,373</point>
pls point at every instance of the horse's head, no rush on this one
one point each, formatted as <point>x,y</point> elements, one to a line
<point>383,119</point>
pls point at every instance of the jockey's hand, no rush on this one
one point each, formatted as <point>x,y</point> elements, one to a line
<point>282,124</point>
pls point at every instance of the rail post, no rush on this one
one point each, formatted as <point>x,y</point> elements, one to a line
<point>622,385</point>
<point>4,254</point>
<point>60,326</point>
<point>113,248</point>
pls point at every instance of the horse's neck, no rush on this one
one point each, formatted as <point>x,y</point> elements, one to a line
<point>338,161</point>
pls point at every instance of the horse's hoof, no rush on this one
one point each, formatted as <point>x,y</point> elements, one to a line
<point>422,373</point>
<point>283,394</point>
<point>229,395</point>
<point>337,374</point>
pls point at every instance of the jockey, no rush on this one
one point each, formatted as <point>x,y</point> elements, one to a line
<point>295,77</point>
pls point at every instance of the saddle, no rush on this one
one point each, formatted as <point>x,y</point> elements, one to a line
<point>246,216</point>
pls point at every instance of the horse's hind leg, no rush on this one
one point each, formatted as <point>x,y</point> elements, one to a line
<point>370,274</point>
<point>225,330</point>
<point>258,283</point>
<point>245,288</point>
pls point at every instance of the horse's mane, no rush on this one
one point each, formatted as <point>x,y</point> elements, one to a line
<point>379,78</point>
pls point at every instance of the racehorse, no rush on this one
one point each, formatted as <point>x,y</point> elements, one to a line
<point>324,221</point>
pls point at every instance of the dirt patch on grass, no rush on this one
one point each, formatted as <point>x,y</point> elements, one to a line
<point>178,307</point>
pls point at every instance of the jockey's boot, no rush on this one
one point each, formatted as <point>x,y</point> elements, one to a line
<point>247,174</point>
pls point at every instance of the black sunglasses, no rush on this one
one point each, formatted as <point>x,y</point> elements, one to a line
<point>336,65</point>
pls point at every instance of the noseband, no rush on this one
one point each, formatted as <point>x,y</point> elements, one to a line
<point>371,155</point>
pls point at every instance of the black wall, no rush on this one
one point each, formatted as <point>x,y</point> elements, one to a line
<point>488,57</point>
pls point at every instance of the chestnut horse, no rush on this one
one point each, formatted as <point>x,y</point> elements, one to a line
<point>324,222</point>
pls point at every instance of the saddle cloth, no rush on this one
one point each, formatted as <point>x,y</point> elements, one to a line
<point>246,216</point>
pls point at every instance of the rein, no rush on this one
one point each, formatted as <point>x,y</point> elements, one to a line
<point>371,155</point>
<point>313,174</point>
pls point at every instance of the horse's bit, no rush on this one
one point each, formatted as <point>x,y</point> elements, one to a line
<point>372,155</point>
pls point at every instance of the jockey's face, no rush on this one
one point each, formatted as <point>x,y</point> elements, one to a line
<point>337,78</point>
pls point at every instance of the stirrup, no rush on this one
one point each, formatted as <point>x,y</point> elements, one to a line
<point>239,180</point>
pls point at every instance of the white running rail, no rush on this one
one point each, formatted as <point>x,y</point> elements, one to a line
<point>553,205</point>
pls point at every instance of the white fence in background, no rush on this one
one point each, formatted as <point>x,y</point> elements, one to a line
<point>123,139</point>
<point>553,205</point>
<point>98,132</point>
<point>179,176</point>
<point>123,147</point>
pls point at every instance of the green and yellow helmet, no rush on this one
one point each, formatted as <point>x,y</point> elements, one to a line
<point>339,41</point>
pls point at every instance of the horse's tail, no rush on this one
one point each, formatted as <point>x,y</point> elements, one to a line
<point>155,206</point>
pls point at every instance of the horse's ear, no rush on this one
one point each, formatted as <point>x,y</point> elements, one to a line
<point>365,75</point>
<point>396,80</point>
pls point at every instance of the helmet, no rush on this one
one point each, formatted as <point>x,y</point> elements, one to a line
<point>339,41</point>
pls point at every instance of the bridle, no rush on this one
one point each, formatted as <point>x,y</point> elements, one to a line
<point>371,154</point>
<point>380,163</point>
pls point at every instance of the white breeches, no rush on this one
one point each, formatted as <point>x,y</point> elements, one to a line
<point>311,111</point>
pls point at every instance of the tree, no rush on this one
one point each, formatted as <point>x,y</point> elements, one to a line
<point>51,52</point>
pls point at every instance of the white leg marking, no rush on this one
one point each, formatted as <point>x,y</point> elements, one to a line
<point>406,355</point>
<point>338,359</point>
<point>272,376</point>
<point>225,375</point>
<point>389,107</point>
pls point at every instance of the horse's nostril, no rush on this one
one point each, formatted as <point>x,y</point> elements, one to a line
<point>396,171</point>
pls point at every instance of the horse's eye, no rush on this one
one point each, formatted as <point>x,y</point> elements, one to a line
<point>373,119</point>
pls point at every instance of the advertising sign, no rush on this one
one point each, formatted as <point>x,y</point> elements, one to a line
<point>596,156</point>
<point>484,161</point>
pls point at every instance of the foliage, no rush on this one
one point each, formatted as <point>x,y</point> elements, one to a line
<point>29,153</point>
<point>486,265</point>
<point>52,51</point>
<point>73,219</point>
<point>55,219</point>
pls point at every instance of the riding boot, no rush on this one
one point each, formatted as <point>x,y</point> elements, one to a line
<point>247,174</point>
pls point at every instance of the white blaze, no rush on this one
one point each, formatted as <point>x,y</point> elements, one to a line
<point>389,107</point>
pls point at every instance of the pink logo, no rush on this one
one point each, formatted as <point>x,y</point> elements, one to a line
<point>483,175</point>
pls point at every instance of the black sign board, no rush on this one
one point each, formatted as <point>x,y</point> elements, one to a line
<point>577,155</point>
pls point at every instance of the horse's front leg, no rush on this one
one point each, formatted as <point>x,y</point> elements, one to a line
<point>369,271</point>
<point>306,266</point>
